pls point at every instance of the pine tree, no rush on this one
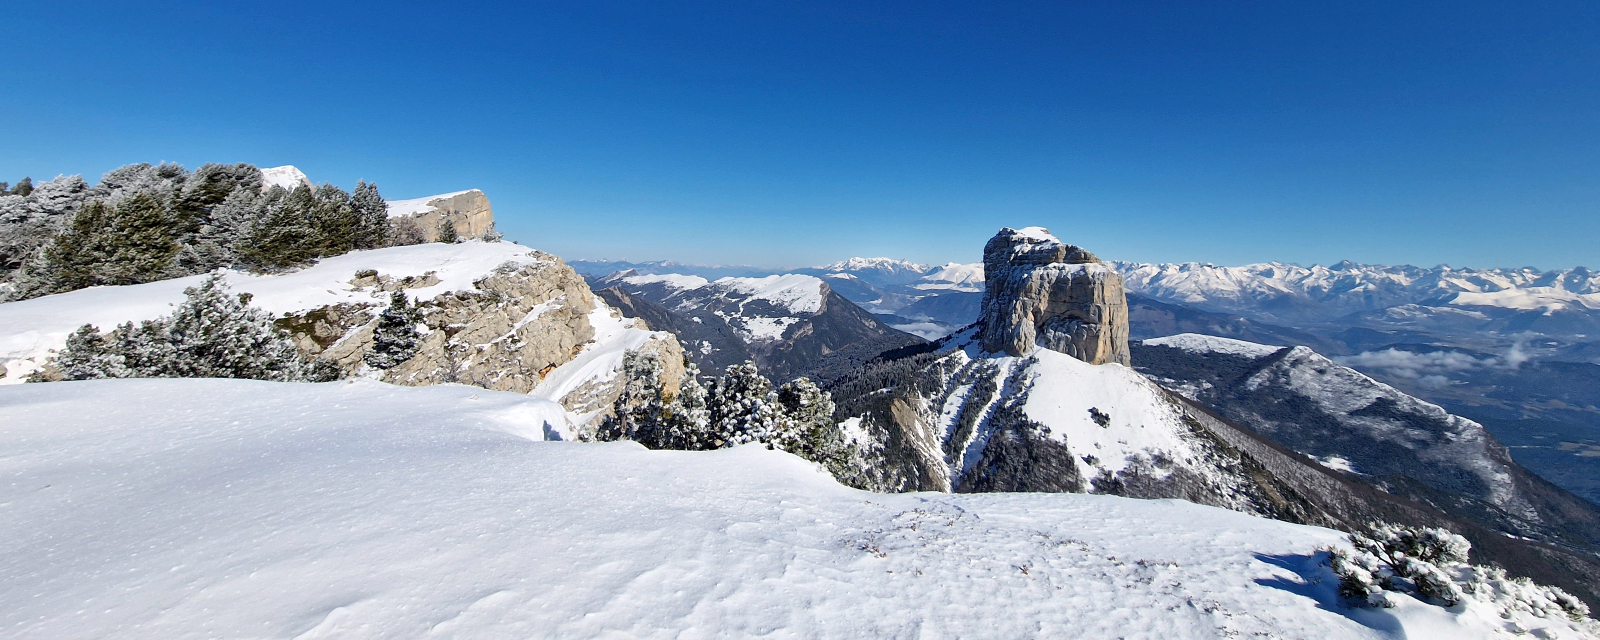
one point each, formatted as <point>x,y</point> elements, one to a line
<point>372,214</point>
<point>143,242</point>
<point>285,237</point>
<point>23,188</point>
<point>70,261</point>
<point>335,221</point>
<point>216,334</point>
<point>447,232</point>
<point>395,338</point>
<point>743,408</point>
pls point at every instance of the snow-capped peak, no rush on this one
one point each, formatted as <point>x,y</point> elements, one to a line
<point>287,176</point>
<point>877,264</point>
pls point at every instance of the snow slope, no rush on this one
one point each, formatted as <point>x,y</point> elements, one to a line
<point>30,329</point>
<point>1199,343</point>
<point>780,300</point>
<point>180,509</point>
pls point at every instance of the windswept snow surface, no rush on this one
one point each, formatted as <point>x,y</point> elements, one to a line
<point>399,208</point>
<point>286,176</point>
<point>29,329</point>
<point>1200,343</point>
<point>179,509</point>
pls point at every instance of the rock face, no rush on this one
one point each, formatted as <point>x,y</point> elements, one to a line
<point>1041,292</point>
<point>469,210</point>
<point>509,332</point>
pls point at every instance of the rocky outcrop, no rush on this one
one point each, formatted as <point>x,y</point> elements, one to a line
<point>1041,292</point>
<point>468,210</point>
<point>509,332</point>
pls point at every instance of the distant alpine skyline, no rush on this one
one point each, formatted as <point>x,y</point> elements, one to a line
<point>786,135</point>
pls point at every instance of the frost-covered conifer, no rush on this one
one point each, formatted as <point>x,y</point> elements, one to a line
<point>285,236</point>
<point>88,356</point>
<point>143,240</point>
<point>213,334</point>
<point>1431,563</point>
<point>216,334</point>
<point>743,407</point>
<point>372,214</point>
<point>447,232</point>
<point>335,221</point>
<point>395,338</point>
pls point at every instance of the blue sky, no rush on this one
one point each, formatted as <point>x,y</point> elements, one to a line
<point>787,133</point>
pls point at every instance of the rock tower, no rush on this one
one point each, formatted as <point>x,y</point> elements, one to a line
<point>1042,292</point>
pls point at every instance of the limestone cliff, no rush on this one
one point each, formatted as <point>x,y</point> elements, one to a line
<point>530,325</point>
<point>469,210</point>
<point>1041,292</point>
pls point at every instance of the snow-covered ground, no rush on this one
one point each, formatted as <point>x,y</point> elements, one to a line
<point>30,329</point>
<point>222,508</point>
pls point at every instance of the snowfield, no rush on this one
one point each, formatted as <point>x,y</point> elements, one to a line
<point>226,508</point>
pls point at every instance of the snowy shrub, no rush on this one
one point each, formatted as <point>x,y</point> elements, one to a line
<point>406,231</point>
<point>1431,563</point>
<point>213,334</point>
<point>490,235</point>
<point>741,407</point>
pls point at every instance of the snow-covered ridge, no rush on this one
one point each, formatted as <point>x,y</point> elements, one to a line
<point>879,264</point>
<point>229,508</point>
<point>415,206</point>
<point>797,294</point>
<point>1349,286</point>
<point>1198,343</point>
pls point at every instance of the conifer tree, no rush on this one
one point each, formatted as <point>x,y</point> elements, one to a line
<point>335,220</point>
<point>71,261</point>
<point>395,338</point>
<point>447,232</point>
<point>88,356</point>
<point>23,188</point>
<point>372,214</point>
<point>143,242</point>
<point>285,237</point>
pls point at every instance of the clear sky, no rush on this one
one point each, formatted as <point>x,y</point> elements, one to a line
<point>796,133</point>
